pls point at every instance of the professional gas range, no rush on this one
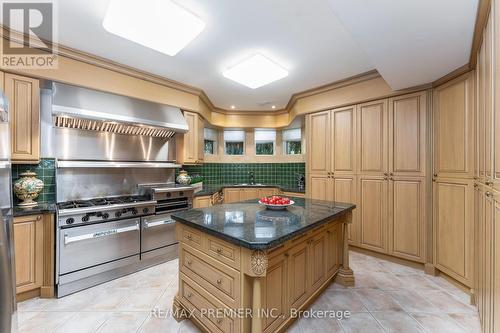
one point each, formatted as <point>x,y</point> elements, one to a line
<point>101,239</point>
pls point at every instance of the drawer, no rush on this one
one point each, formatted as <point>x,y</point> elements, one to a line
<point>223,251</point>
<point>191,236</point>
<point>207,310</point>
<point>222,282</point>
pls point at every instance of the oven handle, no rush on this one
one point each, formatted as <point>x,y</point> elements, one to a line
<point>99,234</point>
<point>157,223</point>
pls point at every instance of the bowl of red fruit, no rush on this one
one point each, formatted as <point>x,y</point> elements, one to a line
<point>276,202</point>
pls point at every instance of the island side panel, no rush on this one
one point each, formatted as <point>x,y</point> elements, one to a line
<point>346,276</point>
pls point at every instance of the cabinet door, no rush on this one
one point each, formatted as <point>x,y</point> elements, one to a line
<point>320,187</point>
<point>200,139</point>
<point>496,109</point>
<point>266,192</point>
<point>488,215</point>
<point>232,195</point>
<point>496,265</point>
<point>249,193</point>
<point>191,144</point>
<point>488,101</point>
<point>407,217</point>
<point>317,260</point>
<point>202,202</point>
<point>480,113</point>
<point>479,247</point>
<point>318,142</point>
<point>333,249</point>
<point>24,100</point>
<point>28,251</point>
<point>298,280</point>
<point>454,128</point>
<point>343,153</point>
<point>407,119</point>
<point>275,298</point>
<point>345,191</point>
<point>372,137</point>
<point>373,217</point>
<point>453,227</point>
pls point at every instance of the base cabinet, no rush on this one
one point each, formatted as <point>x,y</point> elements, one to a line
<point>202,202</point>
<point>238,194</point>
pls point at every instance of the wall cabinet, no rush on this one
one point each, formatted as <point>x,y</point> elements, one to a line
<point>453,227</point>
<point>23,94</point>
<point>191,145</point>
<point>238,194</point>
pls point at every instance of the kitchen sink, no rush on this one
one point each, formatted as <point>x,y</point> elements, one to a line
<point>246,184</point>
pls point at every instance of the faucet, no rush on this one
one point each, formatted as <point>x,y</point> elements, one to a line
<point>251,178</point>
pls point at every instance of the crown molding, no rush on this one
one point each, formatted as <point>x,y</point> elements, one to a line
<point>483,11</point>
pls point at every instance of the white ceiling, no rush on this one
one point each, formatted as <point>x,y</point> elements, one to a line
<point>318,41</point>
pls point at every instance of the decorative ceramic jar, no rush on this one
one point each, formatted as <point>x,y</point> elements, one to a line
<point>27,188</point>
<point>183,178</point>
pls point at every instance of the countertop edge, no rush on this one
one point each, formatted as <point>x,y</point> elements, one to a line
<point>268,246</point>
<point>218,188</point>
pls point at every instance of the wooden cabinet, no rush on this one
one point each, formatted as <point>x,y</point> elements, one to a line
<point>318,143</point>
<point>298,275</point>
<point>318,258</point>
<point>495,294</point>
<point>407,217</point>
<point>294,194</point>
<point>236,194</point>
<point>373,212</point>
<point>343,141</point>
<point>266,192</point>
<point>249,193</point>
<point>276,298</point>
<point>373,137</point>
<point>344,189</point>
<point>232,195</point>
<point>28,250</point>
<point>24,103</point>
<point>333,249</point>
<point>407,134</point>
<point>453,227</point>
<point>191,145</point>
<point>202,202</point>
<point>454,128</point>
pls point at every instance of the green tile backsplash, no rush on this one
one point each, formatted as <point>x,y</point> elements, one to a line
<point>284,174</point>
<point>45,171</point>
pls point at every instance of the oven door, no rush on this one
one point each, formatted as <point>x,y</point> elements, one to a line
<point>86,246</point>
<point>157,231</point>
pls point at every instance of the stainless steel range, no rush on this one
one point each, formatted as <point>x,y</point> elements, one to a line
<point>104,238</point>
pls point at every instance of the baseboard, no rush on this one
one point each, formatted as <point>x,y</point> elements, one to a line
<point>24,296</point>
<point>430,269</point>
<point>387,257</point>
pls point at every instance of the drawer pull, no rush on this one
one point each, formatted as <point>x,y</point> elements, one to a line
<point>189,237</point>
<point>219,250</point>
<point>287,254</point>
<point>219,281</point>
<point>219,321</point>
<point>189,295</point>
<point>189,262</point>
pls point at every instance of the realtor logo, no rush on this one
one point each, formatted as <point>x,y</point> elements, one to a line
<point>30,31</point>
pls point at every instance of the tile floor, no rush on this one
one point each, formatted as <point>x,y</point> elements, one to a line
<point>387,298</point>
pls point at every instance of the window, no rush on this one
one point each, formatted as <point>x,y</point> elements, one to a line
<point>292,141</point>
<point>210,141</point>
<point>234,142</point>
<point>264,141</point>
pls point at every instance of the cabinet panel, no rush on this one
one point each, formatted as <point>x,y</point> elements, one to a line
<point>24,100</point>
<point>28,250</point>
<point>407,143</point>
<point>266,192</point>
<point>496,263</point>
<point>318,267</point>
<point>249,193</point>
<point>318,145</point>
<point>345,191</point>
<point>372,198</point>
<point>343,140</point>
<point>488,100</point>
<point>298,274</point>
<point>318,186</point>
<point>275,298</point>
<point>202,202</point>
<point>334,249</point>
<point>453,227</point>
<point>232,195</point>
<point>372,134</point>
<point>407,207</point>
<point>453,128</point>
<point>190,146</point>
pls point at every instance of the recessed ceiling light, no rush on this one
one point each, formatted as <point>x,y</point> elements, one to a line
<point>256,71</point>
<point>273,107</point>
<point>161,25</point>
<point>233,107</point>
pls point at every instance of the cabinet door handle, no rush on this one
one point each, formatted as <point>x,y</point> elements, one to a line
<point>189,262</point>
<point>219,250</point>
<point>435,175</point>
<point>287,254</point>
<point>219,321</point>
<point>189,295</point>
<point>488,194</point>
<point>39,217</point>
<point>189,237</point>
<point>386,174</point>
<point>219,281</point>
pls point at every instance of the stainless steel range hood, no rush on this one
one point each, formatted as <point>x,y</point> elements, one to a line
<point>91,110</point>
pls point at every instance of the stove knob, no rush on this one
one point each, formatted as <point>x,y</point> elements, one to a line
<point>105,216</point>
<point>134,211</point>
<point>85,218</point>
<point>145,210</point>
<point>169,194</point>
<point>70,220</point>
<point>181,194</point>
<point>118,214</point>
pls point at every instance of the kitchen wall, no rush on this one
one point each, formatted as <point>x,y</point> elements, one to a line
<point>284,174</point>
<point>45,170</point>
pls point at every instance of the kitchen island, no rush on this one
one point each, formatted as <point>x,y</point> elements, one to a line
<point>244,268</point>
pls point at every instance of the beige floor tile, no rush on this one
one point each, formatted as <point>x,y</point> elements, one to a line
<point>362,322</point>
<point>437,322</point>
<point>188,327</point>
<point>163,325</point>
<point>140,301</point>
<point>417,282</point>
<point>364,281</point>
<point>83,322</point>
<point>377,300</point>
<point>166,299</point>
<point>447,303</point>
<point>108,300</point>
<point>340,300</point>
<point>386,281</point>
<point>400,269</point>
<point>76,301</point>
<point>397,322</point>
<point>470,322</point>
<point>44,322</point>
<point>26,315</point>
<point>315,325</point>
<point>412,301</point>
<point>35,304</point>
<point>123,322</point>
<point>295,328</point>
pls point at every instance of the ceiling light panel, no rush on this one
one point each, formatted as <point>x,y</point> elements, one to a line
<point>161,25</point>
<point>256,71</point>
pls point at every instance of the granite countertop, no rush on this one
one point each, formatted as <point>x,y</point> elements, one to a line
<point>251,225</point>
<point>213,188</point>
<point>41,208</point>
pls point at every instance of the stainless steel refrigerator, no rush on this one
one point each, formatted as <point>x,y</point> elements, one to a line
<point>8,319</point>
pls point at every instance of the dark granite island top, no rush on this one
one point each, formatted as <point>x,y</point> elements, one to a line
<point>251,225</point>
